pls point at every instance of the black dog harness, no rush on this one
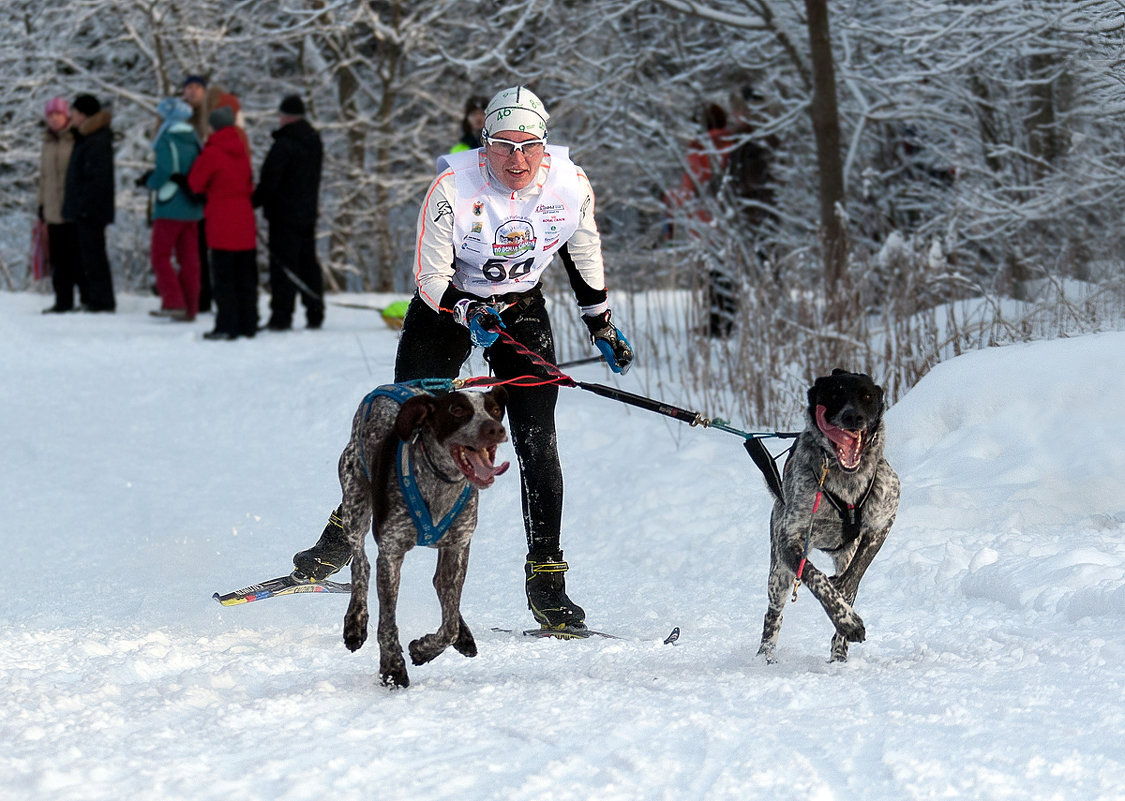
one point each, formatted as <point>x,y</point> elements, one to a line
<point>851,514</point>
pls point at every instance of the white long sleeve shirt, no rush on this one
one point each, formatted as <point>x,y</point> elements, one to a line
<point>477,238</point>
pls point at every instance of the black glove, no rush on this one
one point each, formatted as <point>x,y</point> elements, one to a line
<point>142,179</point>
<point>180,180</point>
<point>615,348</point>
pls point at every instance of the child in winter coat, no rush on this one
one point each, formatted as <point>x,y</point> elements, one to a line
<point>176,215</point>
<point>223,173</point>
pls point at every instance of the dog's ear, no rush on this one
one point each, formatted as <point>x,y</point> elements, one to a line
<point>413,414</point>
<point>818,385</point>
<point>496,401</point>
<point>812,393</point>
<point>840,371</point>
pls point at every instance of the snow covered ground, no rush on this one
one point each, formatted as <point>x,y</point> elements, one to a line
<point>144,469</point>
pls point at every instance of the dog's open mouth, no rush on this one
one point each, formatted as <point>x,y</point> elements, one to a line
<point>849,445</point>
<point>479,465</point>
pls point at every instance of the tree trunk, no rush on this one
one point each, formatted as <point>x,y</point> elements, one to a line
<point>826,129</point>
<point>390,61</point>
<point>341,252</point>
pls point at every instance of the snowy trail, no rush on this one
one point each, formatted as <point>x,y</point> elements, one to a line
<point>145,469</point>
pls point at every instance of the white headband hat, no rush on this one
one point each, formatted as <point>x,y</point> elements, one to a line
<point>515,109</point>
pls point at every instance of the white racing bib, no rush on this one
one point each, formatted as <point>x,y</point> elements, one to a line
<point>502,243</point>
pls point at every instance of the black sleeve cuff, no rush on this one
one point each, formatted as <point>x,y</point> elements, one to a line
<point>585,294</point>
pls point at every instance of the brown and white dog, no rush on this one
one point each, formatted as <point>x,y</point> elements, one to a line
<point>839,495</point>
<point>412,473</point>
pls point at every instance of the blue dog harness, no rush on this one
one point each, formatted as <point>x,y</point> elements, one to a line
<point>429,533</point>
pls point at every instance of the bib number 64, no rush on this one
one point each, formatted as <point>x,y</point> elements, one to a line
<point>498,270</point>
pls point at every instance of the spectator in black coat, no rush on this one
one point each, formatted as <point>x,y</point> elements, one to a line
<point>88,197</point>
<point>289,193</point>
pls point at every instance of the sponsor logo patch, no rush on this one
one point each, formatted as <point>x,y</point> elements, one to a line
<point>513,238</point>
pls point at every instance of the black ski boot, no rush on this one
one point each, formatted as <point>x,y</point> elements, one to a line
<point>546,592</point>
<point>330,554</point>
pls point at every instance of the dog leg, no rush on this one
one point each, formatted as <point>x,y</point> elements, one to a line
<point>780,581</point>
<point>388,574</point>
<point>356,518</point>
<point>848,624</point>
<point>849,572</point>
<point>847,581</point>
<point>449,578</point>
<point>356,618</point>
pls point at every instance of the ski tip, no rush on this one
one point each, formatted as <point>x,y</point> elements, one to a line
<point>229,600</point>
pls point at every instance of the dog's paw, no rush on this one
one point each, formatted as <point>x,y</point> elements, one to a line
<point>426,649</point>
<point>465,644</point>
<point>839,649</point>
<point>355,631</point>
<point>395,679</point>
<point>851,628</point>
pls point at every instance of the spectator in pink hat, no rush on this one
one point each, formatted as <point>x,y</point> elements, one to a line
<point>62,238</point>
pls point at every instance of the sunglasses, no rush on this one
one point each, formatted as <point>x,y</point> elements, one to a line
<point>506,147</point>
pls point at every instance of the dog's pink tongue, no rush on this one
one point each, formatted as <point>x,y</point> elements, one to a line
<point>847,444</point>
<point>483,469</point>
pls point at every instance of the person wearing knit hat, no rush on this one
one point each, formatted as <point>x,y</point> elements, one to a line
<point>87,105</point>
<point>88,198</point>
<point>223,175</point>
<point>175,214</point>
<point>62,238</point>
<point>292,106</point>
<point>288,192</point>
<point>220,118</point>
<point>56,105</point>
<point>228,100</point>
<point>489,227</point>
<point>515,109</point>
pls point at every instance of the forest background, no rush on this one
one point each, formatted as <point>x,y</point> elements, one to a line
<point>942,176</point>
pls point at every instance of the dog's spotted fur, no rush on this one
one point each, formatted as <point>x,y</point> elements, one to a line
<point>844,432</point>
<point>453,440</point>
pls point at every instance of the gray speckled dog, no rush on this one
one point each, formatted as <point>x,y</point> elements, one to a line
<point>839,496</point>
<point>412,472</point>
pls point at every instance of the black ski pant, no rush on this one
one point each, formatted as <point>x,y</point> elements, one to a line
<point>235,291</point>
<point>66,266</point>
<point>205,283</point>
<point>293,256</point>
<point>96,277</point>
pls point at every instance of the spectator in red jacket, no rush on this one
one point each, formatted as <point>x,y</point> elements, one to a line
<point>223,173</point>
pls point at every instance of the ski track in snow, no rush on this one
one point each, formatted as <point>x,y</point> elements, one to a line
<point>145,469</point>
